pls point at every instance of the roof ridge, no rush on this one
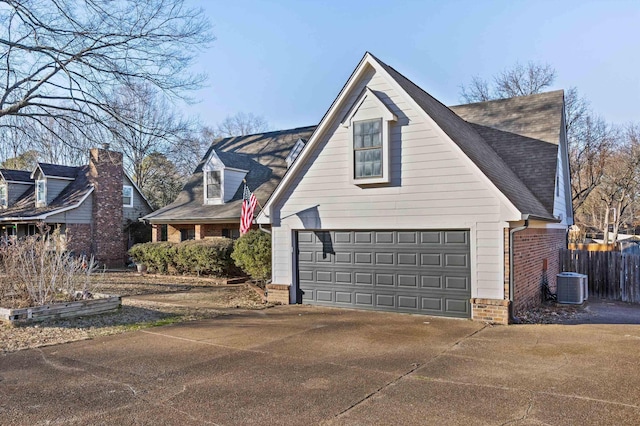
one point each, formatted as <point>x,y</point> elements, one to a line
<point>270,132</point>
<point>513,186</point>
<point>509,99</point>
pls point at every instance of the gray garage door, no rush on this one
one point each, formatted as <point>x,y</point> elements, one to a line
<point>423,271</point>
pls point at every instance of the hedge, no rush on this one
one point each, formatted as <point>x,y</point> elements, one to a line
<point>211,256</point>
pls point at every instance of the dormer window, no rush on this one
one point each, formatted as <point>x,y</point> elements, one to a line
<point>213,185</point>
<point>3,196</point>
<point>41,192</point>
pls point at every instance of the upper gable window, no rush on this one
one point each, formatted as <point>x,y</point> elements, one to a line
<point>367,146</point>
<point>369,123</point>
<point>213,185</point>
<point>3,196</point>
<point>41,192</point>
<point>127,196</point>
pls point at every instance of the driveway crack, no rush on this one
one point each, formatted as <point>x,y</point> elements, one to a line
<point>415,366</point>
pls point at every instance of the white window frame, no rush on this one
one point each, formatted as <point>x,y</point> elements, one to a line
<point>4,195</point>
<point>130,188</point>
<point>355,115</point>
<point>215,200</point>
<point>41,201</point>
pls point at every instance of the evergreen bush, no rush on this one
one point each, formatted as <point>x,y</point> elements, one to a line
<point>252,254</point>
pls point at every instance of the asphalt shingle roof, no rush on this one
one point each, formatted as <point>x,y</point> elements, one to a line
<point>24,207</point>
<point>263,155</point>
<point>56,170</point>
<point>536,116</point>
<point>474,145</point>
<point>16,175</point>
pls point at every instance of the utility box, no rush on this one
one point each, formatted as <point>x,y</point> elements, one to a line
<point>573,288</point>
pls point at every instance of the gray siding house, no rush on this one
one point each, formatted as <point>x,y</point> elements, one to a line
<point>91,205</point>
<point>400,203</point>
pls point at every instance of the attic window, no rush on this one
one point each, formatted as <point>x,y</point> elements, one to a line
<point>41,192</point>
<point>367,146</point>
<point>3,196</point>
<point>369,122</point>
<point>127,196</point>
<point>214,185</point>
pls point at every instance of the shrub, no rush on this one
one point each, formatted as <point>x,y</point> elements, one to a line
<point>209,257</point>
<point>39,271</point>
<point>203,257</point>
<point>252,254</point>
<point>158,257</point>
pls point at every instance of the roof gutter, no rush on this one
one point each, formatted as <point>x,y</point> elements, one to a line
<point>511,256</point>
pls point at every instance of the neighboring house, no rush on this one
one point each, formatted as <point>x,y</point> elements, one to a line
<point>91,205</point>
<point>210,203</point>
<point>400,203</point>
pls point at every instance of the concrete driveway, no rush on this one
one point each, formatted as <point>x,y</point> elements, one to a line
<point>302,365</point>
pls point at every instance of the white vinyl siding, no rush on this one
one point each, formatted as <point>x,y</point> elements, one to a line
<point>561,192</point>
<point>432,186</point>
<point>232,181</point>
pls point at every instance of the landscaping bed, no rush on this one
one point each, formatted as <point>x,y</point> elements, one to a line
<point>136,311</point>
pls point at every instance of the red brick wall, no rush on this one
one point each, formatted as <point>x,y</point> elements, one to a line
<point>106,175</point>
<point>533,250</point>
<point>79,238</point>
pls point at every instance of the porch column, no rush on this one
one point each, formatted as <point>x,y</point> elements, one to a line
<point>156,233</point>
<point>199,232</point>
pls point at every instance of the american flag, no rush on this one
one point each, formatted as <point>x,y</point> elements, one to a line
<point>248,206</point>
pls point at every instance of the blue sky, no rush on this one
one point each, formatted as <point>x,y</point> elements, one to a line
<point>287,60</point>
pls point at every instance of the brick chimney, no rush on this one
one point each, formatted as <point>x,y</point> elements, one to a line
<point>106,175</point>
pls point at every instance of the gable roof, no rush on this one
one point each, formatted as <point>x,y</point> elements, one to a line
<point>536,116</point>
<point>57,170</point>
<point>504,173</point>
<point>263,155</point>
<point>10,175</point>
<point>71,197</point>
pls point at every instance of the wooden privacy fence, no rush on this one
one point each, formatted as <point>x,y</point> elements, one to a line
<point>612,274</point>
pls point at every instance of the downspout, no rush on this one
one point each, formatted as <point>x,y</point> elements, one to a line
<point>511,255</point>
<point>265,230</point>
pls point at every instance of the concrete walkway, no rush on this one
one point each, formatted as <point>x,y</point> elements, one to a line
<point>302,365</point>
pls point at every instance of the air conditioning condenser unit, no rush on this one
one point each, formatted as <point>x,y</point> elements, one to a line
<point>572,288</point>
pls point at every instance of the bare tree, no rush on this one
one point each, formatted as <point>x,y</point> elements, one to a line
<point>240,124</point>
<point>620,181</point>
<point>519,80</point>
<point>522,80</point>
<point>147,124</point>
<point>61,60</point>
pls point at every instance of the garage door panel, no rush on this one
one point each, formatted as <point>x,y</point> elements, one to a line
<point>426,271</point>
<point>406,280</point>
